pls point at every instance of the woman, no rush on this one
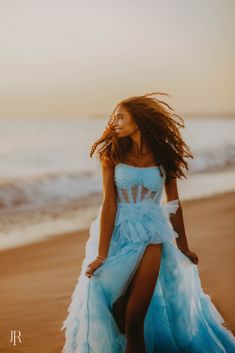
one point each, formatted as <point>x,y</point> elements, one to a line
<point>138,290</point>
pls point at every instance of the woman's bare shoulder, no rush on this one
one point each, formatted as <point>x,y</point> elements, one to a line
<point>108,166</point>
<point>109,188</point>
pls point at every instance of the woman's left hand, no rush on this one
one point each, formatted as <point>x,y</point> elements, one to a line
<point>92,267</point>
<point>191,255</point>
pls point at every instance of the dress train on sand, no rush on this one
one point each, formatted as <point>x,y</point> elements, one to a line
<point>180,317</point>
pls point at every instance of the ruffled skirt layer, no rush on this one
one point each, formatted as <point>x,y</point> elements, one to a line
<point>180,317</point>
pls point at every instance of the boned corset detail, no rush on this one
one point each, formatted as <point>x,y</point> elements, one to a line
<point>137,193</point>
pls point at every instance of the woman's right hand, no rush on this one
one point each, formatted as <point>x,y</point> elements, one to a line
<point>92,267</point>
<point>191,255</point>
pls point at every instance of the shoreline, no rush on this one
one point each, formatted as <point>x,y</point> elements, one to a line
<point>38,279</point>
<point>71,217</point>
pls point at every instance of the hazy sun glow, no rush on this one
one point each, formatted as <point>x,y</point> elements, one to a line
<point>77,58</point>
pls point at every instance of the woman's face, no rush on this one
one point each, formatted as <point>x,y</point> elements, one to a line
<point>124,123</point>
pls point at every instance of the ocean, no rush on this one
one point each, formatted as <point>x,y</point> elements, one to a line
<point>50,185</point>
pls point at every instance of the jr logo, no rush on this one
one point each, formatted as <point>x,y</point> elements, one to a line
<point>15,335</point>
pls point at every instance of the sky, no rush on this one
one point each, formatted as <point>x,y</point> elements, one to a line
<point>62,59</point>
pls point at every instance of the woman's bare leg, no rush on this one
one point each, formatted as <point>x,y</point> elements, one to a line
<point>140,294</point>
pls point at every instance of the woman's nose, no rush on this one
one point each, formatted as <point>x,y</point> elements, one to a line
<point>117,126</point>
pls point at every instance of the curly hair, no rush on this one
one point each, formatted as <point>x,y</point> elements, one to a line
<point>159,126</point>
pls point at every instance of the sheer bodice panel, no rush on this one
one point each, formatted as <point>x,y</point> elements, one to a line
<point>135,184</point>
<point>135,194</point>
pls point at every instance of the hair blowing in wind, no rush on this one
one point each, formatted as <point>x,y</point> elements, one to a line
<point>159,126</point>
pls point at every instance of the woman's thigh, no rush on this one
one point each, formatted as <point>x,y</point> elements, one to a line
<point>143,284</point>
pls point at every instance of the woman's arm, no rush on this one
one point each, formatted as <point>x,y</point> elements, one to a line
<point>108,210</point>
<point>178,221</point>
<point>107,218</point>
<point>177,218</point>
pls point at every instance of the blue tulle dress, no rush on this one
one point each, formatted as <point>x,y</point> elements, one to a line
<point>180,317</point>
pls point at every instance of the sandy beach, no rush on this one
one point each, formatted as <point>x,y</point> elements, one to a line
<point>37,280</point>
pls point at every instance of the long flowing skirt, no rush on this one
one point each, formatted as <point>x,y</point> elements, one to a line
<point>180,317</point>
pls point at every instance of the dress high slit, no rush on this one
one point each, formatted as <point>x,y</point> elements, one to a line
<point>180,317</point>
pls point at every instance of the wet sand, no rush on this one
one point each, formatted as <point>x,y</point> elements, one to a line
<point>37,280</point>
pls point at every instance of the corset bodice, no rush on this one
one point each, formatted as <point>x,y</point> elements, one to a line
<point>135,184</point>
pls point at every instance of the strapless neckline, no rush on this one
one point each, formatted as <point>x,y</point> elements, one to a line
<point>133,166</point>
